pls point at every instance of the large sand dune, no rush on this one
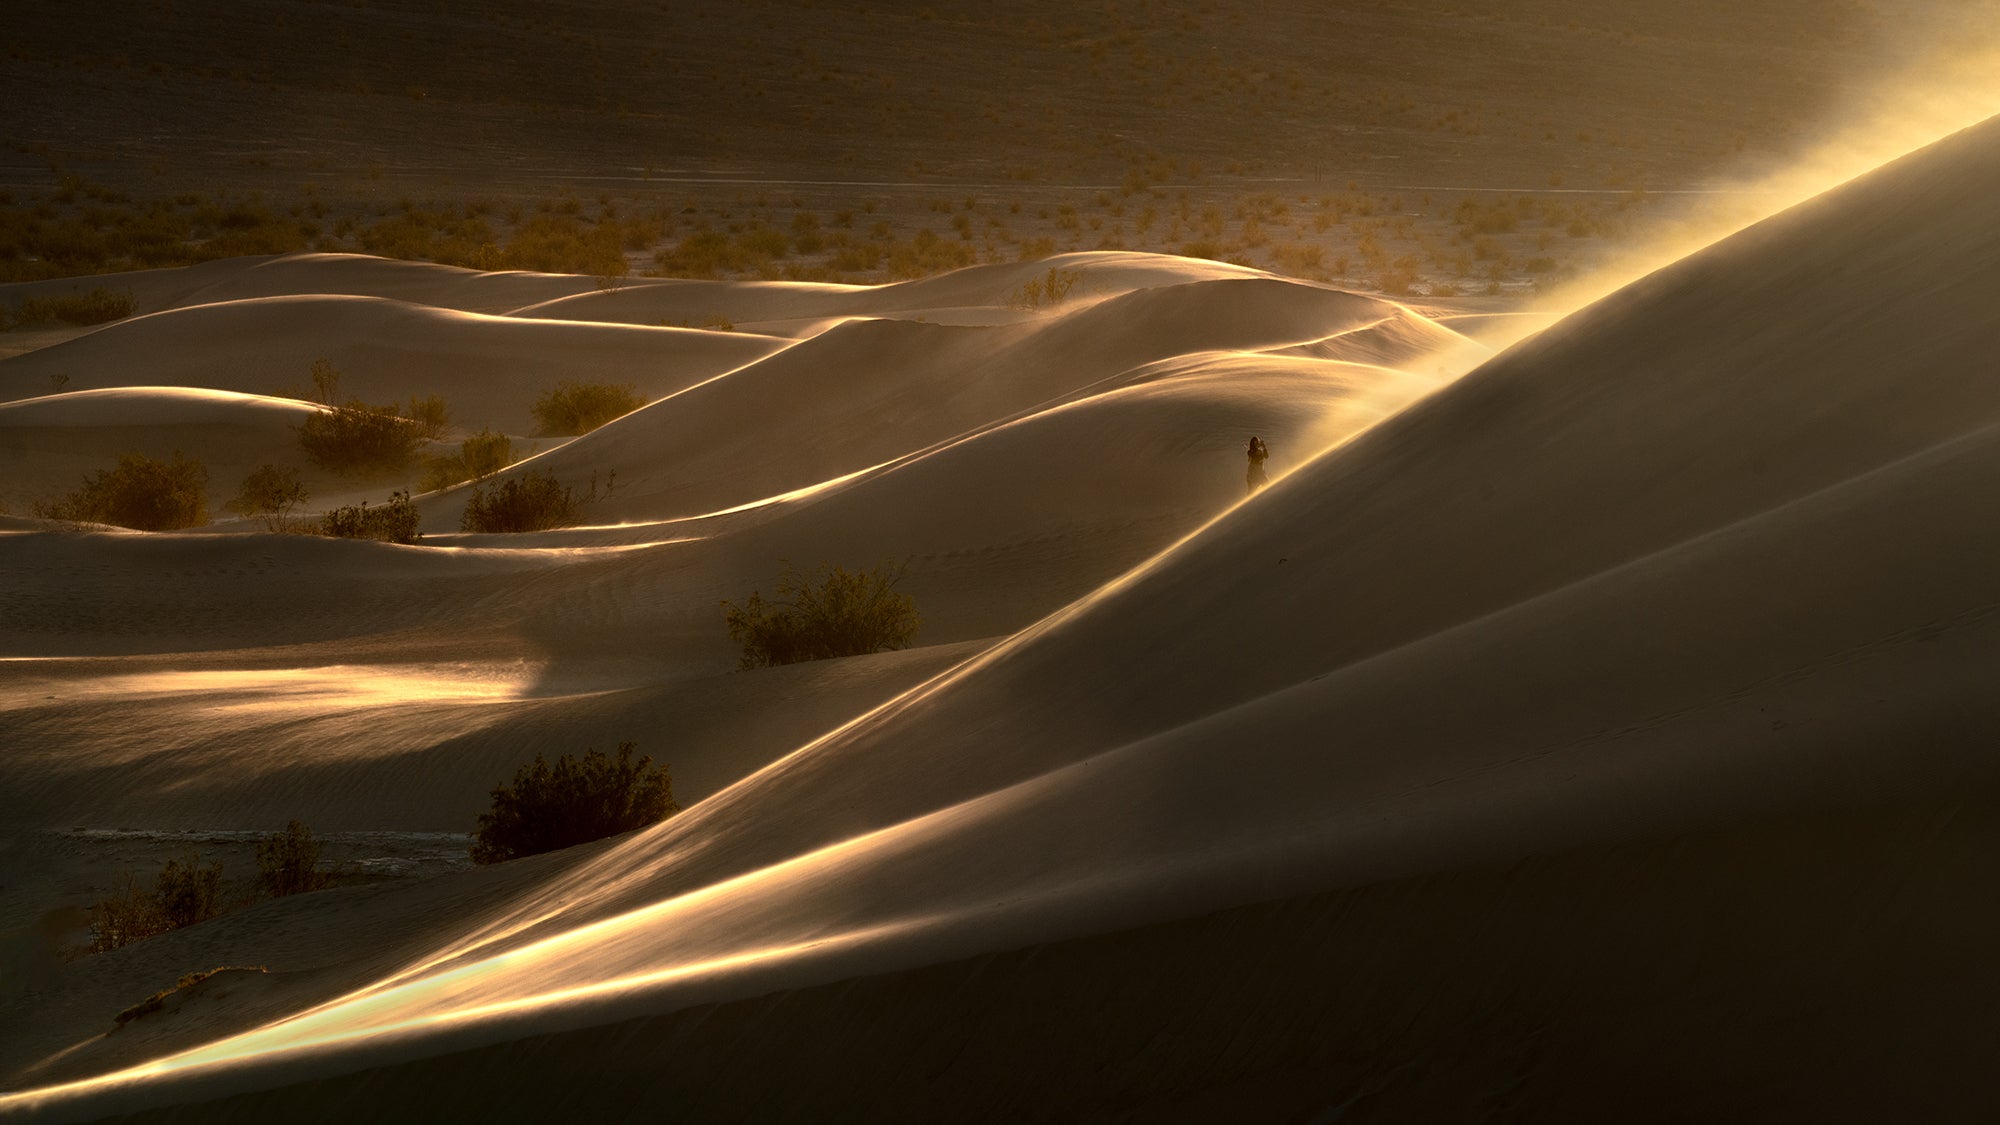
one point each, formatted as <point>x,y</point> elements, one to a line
<point>1482,745</point>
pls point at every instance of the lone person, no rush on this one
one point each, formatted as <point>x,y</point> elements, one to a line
<point>1255,478</point>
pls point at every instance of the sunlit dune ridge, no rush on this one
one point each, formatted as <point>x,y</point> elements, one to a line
<point>1494,622</point>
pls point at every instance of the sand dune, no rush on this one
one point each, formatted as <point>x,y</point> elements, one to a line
<point>52,443</point>
<point>1705,561</point>
<point>490,369</point>
<point>868,391</point>
<point>999,290</point>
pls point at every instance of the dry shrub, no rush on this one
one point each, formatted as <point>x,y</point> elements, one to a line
<point>288,862</point>
<point>394,522</point>
<point>269,493</point>
<point>573,407</point>
<point>139,493</point>
<point>828,613</point>
<point>359,440</point>
<point>533,501</point>
<point>572,802</point>
<point>98,306</point>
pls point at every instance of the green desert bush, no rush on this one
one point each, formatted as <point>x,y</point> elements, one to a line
<point>828,613</point>
<point>360,440</point>
<point>572,802</point>
<point>269,493</point>
<point>140,493</point>
<point>533,501</point>
<point>288,862</point>
<point>393,522</point>
<point>573,407</point>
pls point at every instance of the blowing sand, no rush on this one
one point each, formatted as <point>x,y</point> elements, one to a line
<point>1612,714</point>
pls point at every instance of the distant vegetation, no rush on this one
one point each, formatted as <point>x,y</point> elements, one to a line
<point>828,613</point>
<point>140,493</point>
<point>532,501</point>
<point>572,802</point>
<point>98,306</point>
<point>393,522</point>
<point>269,493</point>
<point>573,407</point>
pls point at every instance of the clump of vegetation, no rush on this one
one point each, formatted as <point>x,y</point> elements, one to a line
<point>1049,291</point>
<point>532,501</point>
<point>288,862</point>
<point>140,493</point>
<point>394,522</point>
<point>185,892</point>
<point>572,802</point>
<point>158,1000</point>
<point>360,440</point>
<point>578,408</point>
<point>99,306</point>
<point>828,613</point>
<point>269,493</point>
<point>478,457</point>
<point>430,414</point>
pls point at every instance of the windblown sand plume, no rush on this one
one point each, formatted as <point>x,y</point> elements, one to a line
<point>1610,713</point>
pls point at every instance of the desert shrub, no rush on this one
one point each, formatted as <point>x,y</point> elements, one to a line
<point>139,493</point>
<point>430,414</point>
<point>1051,290</point>
<point>271,493</point>
<point>394,522</point>
<point>288,862</point>
<point>478,456</point>
<point>133,914</point>
<point>359,440</point>
<point>825,614</point>
<point>578,408</point>
<point>572,802</point>
<point>188,892</point>
<point>98,306</point>
<point>533,501</point>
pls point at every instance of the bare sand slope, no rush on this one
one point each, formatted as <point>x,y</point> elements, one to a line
<point>1711,552</point>
<point>489,369</point>
<point>49,445</point>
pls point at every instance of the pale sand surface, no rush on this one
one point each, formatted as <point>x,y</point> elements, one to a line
<point>1617,716</point>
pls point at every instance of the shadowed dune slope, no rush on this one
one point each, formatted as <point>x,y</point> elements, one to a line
<point>1711,550</point>
<point>489,369</point>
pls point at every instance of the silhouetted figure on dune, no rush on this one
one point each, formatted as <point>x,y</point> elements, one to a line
<point>1255,478</point>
